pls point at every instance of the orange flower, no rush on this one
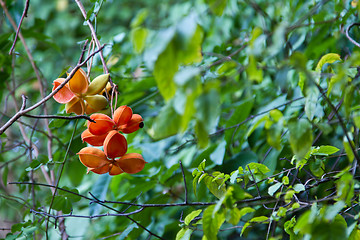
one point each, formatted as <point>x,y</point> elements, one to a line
<point>123,120</point>
<point>113,160</point>
<point>79,96</point>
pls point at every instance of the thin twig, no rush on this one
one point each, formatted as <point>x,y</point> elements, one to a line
<point>257,187</point>
<point>93,34</point>
<point>85,216</point>
<point>61,117</point>
<point>27,3</point>
<point>348,35</point>
<point>185,186</point>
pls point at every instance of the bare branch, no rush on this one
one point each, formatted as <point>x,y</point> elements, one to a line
<point>348,35</point>
<point>27,3</point>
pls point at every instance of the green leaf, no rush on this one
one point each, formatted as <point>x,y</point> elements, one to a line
<point>166,124</point>
<point>273,188</point>
<point>165,176</point>
<point>215,187</point>
<point>328,58</point>
<point>138,38</point>
<point>312,96</point>
<point>235,215</point>
<point>348,149</point>
<point>285,180</point>
<point>299,187</point>
<point>126,232</point>
<point>217,6</point>
<point>212,222</point>
<point>333,210</point>
<point>164,71</point>
<point>254,73</point>
<point>218,155</point>
<point>62,204</point>
<point>139,18</point>
<point>345,188</point>
<point>5,175</point>
<point>184,234</point>
<point>300,137</point>
<point>326,150</point>
<point>191,216</point>
<point>65,69</point>
<point>246,210</point>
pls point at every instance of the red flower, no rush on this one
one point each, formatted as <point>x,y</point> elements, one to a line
<point>113,160</point>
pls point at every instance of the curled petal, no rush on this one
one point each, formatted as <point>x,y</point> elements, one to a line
<point>96,102</point>
<point>131,163</point>
<point>64,95</point>
<point>95,140</point>
<point>133,125</point>
<point>98,84</point>
<point>100,170</point>
<point>76,105</point>
<point>115,144</point>
<point>122,115</point>
<point>92,157</point>
<point>102,124</point>
<point>115,170</point>
<point>79,82</point>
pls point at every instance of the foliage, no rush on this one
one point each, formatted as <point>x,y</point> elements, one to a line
<point>250,109</point>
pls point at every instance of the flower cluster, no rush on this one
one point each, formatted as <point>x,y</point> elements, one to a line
<point>105,131</point>
<point>79,95</point>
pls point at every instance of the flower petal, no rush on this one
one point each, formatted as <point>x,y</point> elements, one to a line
<point>122,115</point>
<point>96,102</point>
<point>76,105</point>
<point>115,144</point>
<point>102,125</point>
<point>100,170</point>
<point>64,95</point>
<point>133,125</point>
<point>92,157</point>
<point>79,82</point>
<point>98,84</point>
<point>131,163</point>
<point>115,170</point>
<point>95,140</point>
